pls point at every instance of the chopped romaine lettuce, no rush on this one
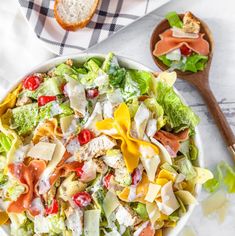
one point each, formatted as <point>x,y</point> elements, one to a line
<point>64,69</point>
<point>174,19</point>
<point>3,179</point>
<point>140,209</point>
<point>133,106</point>
<point>193,63</point>
<point>25,118</point>
<point>225,174</point>
<point>5,143</point>
<point>185,167</point>
<point>122,176</point>
<point>98,197</point>
<point>177,113</point>
<point>143,79</point>
<point>112,68</point>
<point>13,189</point>
<point>56,224</point>
<point>21,225</point>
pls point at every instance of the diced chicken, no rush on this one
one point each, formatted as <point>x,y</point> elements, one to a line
<point>100,166</point>
<point>190,23</point>
<point>96,147</point>
<point>23,101</point>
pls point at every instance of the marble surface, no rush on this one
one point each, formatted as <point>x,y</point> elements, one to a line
<point>20,50</point>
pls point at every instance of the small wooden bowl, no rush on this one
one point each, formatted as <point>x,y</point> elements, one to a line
<point>163,26</point>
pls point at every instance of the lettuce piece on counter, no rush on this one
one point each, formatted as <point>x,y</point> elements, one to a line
<point>5,143</point>
<point>140,209</point>
<point>177,113</point>
<point>25,118</point>
<point>224,175</point>
<point>115,72</point>
<point>174,19</point>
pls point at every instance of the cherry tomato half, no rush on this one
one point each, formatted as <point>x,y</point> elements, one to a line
<point>79,171</point>
<point>92,93</point>
<point>136,176</point>
<point>31,82</point>
<point>82,199</point>
<point>85,136</point>
<point>53,208</point>
<point>185,50</point>
<point>106,180</point>
<point>43,100</point>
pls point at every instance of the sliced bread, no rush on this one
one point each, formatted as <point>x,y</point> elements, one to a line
<point>74,14</point>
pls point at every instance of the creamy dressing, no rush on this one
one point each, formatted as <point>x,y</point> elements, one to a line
<point>55,109</point>
<point>74,222</point>
<point>124,217</point>
<point>132,193</point>
<point>107,110</point>
<point>21,152</point>
<point>73,146</point>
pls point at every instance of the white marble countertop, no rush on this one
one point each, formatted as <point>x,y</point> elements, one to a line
<point>20,50</point>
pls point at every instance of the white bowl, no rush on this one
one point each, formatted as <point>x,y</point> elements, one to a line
<point>127,63</point>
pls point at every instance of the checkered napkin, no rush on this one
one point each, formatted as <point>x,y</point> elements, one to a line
<point>110,17</point>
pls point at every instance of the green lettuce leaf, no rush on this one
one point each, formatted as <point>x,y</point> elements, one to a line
<point>185,167</point>
<point>5,143</point>
<point>174,19</point>
<point>25,118</point>
<point>140,209</point>
<point>115,72</point>
<point>56,224</point>
<point>224,175</point>
<point>177,113</point>
<point>193,63</point>
<point>3,179</point>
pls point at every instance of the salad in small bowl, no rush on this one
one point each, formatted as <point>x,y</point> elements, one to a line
<point>97,145</point>
<point>181,43</point>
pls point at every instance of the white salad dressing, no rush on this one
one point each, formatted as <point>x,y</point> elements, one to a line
<point>174,55</point>
<point>132,193</point>
<point>21,152</point>
<point>74,222</point>
<point>124,217</point>
<point>37,205</point>
<point>107,110</point>
<point>73,146</point>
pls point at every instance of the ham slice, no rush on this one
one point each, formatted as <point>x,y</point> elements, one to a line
<point>28,175</point>
<point>171,141</point>
<point>169,43</point>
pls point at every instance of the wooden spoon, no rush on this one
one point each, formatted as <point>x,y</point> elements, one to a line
<point>200,80</point>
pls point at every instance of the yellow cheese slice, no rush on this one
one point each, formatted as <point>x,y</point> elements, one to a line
<point>186,197</point>
<point>153,190</point>
<point>42,151</point>
<point>153,212</point>
<point>65,123</point>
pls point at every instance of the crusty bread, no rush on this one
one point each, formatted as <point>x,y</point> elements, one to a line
<point>74,14</point>
<point>190,23</point>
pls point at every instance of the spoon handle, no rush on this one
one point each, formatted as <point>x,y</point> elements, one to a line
<point>220,118</point>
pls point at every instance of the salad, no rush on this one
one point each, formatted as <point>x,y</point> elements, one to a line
<point>182,46</point>
<point>96,149</point>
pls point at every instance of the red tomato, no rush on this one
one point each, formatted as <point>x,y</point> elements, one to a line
<point>106,180</point>
<point>85,136</point>
<point>79,170</point>
<point>92,93</point>
<point>185,50</point>
<point>53,208</point>
<point>31,82</point>
<point>136,176</point>
<point>43,100</point>
<point>82,199</point>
